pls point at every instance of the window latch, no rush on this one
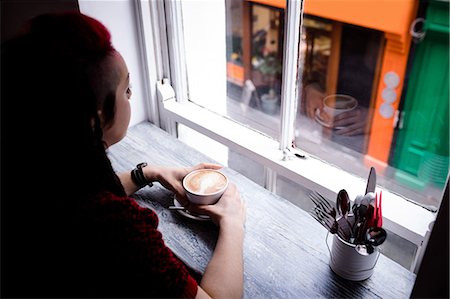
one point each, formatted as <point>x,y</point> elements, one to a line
<point>164,90</point>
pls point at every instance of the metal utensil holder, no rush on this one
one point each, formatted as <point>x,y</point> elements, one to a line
<point>346,262</point>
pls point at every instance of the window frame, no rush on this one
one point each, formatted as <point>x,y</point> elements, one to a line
<point>413,224</point>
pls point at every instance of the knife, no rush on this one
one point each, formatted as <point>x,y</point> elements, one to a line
<point>371,181</point>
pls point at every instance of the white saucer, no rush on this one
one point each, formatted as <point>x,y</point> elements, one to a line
<point>320,121</point>
<point>188,214</point>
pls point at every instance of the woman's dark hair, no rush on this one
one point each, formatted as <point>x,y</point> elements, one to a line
<point>56,76</point>
<point>49,73</point>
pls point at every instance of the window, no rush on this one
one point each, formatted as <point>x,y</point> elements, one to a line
<point>253,75</point>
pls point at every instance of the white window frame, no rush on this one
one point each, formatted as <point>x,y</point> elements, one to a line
<point>160,20</point>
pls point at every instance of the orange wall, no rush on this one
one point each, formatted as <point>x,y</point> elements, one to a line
<point>392,16</point>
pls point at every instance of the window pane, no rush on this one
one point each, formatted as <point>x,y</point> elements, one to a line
<point>254,63</point>
<point>396,92</point>
<point>399,120</point>
<point>234,48</point>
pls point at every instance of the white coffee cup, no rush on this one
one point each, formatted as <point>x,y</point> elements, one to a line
<point>335,104</point>
<point>205,186</point>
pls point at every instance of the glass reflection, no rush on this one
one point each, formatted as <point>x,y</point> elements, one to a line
<point>400,121</point>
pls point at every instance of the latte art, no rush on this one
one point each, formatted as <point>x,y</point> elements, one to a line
<point>205,182</point>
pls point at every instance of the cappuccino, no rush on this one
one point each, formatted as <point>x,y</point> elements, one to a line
<point>205,182</point>
<point>205,186</point>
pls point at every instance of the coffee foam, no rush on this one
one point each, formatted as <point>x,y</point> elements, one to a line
<point>206,182</point>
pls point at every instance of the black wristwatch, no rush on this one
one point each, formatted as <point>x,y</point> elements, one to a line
<point>138,177</point>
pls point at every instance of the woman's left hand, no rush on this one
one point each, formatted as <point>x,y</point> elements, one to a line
<point>172,177</point>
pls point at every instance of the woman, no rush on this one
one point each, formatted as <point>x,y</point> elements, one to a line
<point>73,231</point>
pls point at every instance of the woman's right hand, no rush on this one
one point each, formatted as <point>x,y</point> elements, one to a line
<point>230,209</point>
<point>224,274</point>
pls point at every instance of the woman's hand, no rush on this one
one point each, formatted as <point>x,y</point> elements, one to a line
<point>229,210</point>
<point>313,100</point>
<point>223,276</point>
<point>172,177</point>
<point>354,122</point>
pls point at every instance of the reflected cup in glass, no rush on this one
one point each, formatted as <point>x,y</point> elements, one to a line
<point>335,104</point>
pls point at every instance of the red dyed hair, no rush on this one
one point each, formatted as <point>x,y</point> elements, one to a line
<point>73,34</point>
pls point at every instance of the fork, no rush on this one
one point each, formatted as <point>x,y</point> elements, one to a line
<point>329,225</point>
<point>319,200</point>
<point>327,209</point>
<point>323,204</point>
<point>327,221</point>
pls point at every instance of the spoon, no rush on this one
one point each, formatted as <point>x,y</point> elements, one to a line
<point>356,203</point>
<point>343,202</point>
<point>370,197</point>
<point>343,207</point>
<point>376,236</point>
<point>361,220</point>
<point>177,208</point>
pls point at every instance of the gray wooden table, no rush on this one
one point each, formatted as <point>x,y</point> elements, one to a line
<point>285,250</point>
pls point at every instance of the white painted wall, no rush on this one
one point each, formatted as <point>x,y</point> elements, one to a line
<point>119,17</point>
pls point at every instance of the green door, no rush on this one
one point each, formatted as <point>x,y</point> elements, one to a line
<point>421,154</point>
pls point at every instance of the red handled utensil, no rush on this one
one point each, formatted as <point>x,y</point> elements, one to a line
<point>373,212</point>
<point>379,221</point>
